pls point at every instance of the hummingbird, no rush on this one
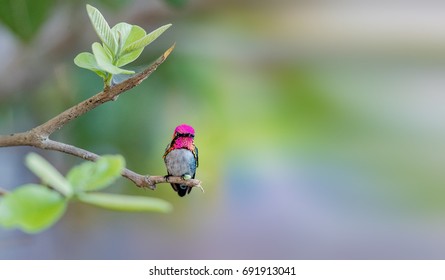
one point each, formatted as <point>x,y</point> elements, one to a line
<point>181,157</point>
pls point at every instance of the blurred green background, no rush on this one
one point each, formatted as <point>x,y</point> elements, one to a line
<point>320,126</point>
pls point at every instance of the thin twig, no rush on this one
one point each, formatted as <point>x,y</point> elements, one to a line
<point>143,181</point>
<point>38,137</point>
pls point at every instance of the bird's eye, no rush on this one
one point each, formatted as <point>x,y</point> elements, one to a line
<point>184,135</point>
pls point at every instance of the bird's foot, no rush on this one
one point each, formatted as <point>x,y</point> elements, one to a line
<point>186,177</point>
<point>167,177</point>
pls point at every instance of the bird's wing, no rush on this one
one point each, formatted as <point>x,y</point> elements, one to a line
<point>195,153</point>
<point>167,150</point>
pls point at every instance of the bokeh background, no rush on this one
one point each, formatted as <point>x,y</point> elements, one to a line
<point>320,124</point>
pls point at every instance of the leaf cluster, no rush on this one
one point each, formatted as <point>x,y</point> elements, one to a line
<point>35,207</point>
<point>120,45</point>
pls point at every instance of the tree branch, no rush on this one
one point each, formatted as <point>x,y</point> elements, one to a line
<point>38,137</point>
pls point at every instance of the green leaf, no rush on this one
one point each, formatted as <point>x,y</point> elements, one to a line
<point>130,34</point>
<point>105,61</point>
<point>48,174</point>
<point>126,202</point>
<point>129,57</point>
<point>90,176</point>
<point>102,28</point>
<point>135,43</point>
<point>86,60</point>
<point>135,34</point>
<point>120,32</point>
<point>31,207</point>
<point>146,40</point>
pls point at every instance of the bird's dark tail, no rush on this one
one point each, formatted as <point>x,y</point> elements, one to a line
<point>182,190</point>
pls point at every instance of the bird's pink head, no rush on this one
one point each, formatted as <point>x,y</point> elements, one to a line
<point>184,129</point>
<point>183,137</point>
